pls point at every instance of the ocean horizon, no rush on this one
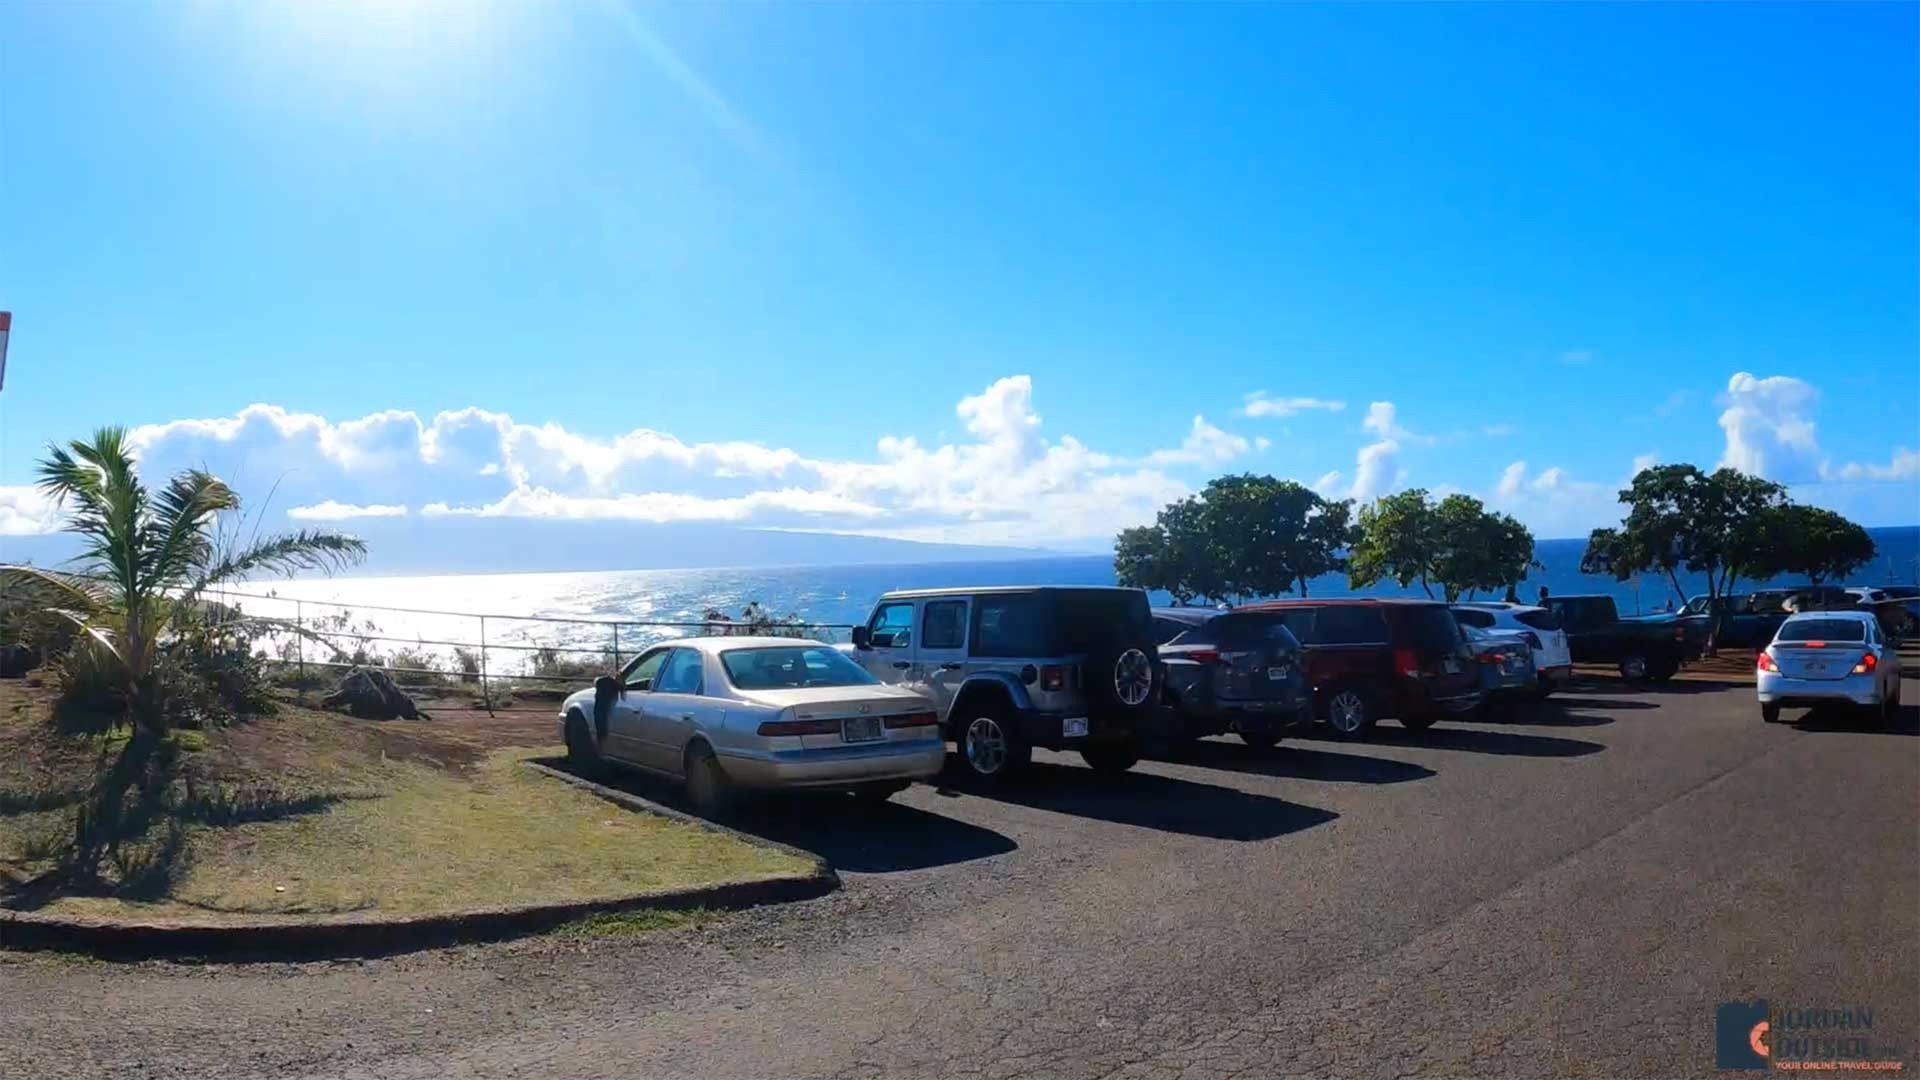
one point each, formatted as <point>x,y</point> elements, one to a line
<point>517,606</point>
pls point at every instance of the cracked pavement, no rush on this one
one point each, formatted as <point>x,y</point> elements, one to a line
<point>1567,895</point>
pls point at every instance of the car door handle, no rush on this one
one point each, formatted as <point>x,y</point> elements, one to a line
<point>902,664</point>
<point>687,716</point>
<point>951,665</point>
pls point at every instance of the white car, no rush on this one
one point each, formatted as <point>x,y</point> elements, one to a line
<point>721,713</point>
<point>1538,627</point>
<point>1828,657</point>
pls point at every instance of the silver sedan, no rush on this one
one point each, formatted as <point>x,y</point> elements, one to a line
<point>724,713</point>
<point>1825,657</point>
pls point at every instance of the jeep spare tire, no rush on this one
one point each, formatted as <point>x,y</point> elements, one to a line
<point>1123,675</point>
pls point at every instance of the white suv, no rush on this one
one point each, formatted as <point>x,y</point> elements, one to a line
<point>1536,626</point>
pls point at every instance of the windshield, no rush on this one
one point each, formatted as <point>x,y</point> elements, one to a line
<point>1697,606</point>
<point>1823,630</point>
<point>786,667</point>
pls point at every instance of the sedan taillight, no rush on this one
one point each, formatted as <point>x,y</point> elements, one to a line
<point>915,719</point>
<point>1867,663</point>
<point>799,727</point>
<point>1764,662</point>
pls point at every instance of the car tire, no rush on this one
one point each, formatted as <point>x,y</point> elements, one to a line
<point>1889,710</point>
<point>1110,758</point>
<point>1349,713</point>
<point>989,750</point>
<point>1260,740</point>
<point>708,788</point>
<point>583,754</point>
<point>1635,667</point>
<point>1418,723</point>
<point>1770,713</point>
<point>1664,670</point>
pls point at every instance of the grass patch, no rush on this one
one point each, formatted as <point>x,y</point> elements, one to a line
<point>312,814</point>
<point>631,924</point>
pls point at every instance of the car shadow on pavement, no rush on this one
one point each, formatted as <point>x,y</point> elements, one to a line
<point>1670,688</point>
<point>1906,721</point>
<point>853,835</point>
<point>1563,701</point>
<point>1151,801</point>
<point>1297,762</point>
<point>1474,740</point>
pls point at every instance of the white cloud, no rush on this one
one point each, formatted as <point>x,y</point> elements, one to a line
<point>1004,481</point>
<point>1769,426</point>
<point>1511,478</point>
<point>1204,445</point>
<point>331,510</point>
<point>1329,484</point>
<point>1376,470</point>
<point>1904,466</point>
<point>1495,431</point>
<point>26,511</point>
<point>1550,479</point>
<point>1258,404</point>
<point>1642,462</point>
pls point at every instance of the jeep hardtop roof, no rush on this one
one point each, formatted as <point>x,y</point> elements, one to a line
<point>907,594</point>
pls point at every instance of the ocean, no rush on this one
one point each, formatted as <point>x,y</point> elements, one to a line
<point>511,603</point>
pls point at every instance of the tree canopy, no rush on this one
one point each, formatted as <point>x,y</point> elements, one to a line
<point>1679,516</point>
<point>1807,540</point>
<point>1457,544</point>
<point>1241,536</point>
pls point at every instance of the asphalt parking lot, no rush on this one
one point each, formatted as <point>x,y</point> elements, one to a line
<point>1570,894</point>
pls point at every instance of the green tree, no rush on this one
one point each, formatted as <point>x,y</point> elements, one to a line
<point>1476,549</point>
<point>1240,536</point>
<point>147,559</point>
<point>1807,540</point>
<point>1397,539</point>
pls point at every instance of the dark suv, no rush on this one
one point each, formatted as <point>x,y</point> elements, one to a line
<point>1012,668</point>
<point>1237,672</point>
<point>1373,659</point>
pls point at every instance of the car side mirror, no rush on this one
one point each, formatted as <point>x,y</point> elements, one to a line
<point>862,638</point>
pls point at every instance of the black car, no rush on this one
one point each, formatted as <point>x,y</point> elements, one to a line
<point>1237,672</point>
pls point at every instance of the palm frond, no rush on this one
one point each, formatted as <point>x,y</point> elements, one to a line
<point>184,511</point>
<point>89,628</point>
<point>37,587</point>
<point>308,549</point>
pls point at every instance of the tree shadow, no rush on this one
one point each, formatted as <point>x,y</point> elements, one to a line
<point>1296,762</point>
<point>1152,801</point>
<point>1476,741</point>
<point>852,834</point>
<point>14,803</point>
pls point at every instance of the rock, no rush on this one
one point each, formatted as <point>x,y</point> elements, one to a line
<point>16,660</point>
<point>370,694</point>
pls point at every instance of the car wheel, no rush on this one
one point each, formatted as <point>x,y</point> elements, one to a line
<point>1260,740</point>
<point>1770,712</point>
<point>1634,667</point>
<point>1111,758</point>
<point>1348,713</point>
<point>583,756</point>
<point>708,788</point>
<point>1418,723</point>
<point>988,750</point>
<point>1665,669</point>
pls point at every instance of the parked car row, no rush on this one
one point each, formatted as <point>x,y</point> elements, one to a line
<point>1000,671</point>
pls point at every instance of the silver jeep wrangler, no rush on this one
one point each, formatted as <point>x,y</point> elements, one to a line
<point>1067,667</point>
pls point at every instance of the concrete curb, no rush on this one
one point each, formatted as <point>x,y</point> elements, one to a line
<point>373,935</point>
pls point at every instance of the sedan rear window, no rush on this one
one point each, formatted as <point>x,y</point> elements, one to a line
<point>786,667</point>
<point>1433,629</point>
<point>1539,620</point>
<point>1822,630</point>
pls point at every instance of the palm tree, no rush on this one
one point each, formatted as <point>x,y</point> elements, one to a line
<point>150,557</point>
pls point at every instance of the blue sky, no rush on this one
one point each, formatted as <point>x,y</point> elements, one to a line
<point>961,272</point>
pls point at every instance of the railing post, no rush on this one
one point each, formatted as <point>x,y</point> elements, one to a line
<point>300,646</point>
<point>486,689</point>
<point>617,665</point>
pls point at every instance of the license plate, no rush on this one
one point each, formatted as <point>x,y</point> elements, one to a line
<point>1277,674</point>
<point>1816,666</point>
<point>1073,727</point>
<point>861,729</point>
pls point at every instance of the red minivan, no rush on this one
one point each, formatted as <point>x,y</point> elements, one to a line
<point>1376,658</point>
